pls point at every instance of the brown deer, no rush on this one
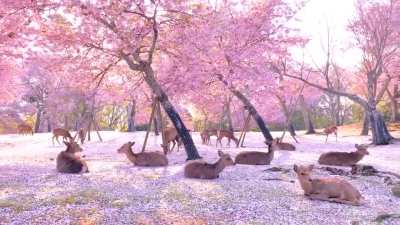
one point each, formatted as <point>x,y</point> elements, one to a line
<point>228,134</point>
<point>330,130</point>
<point>70,161</point>
<point>81,135</point>
<point>344,158</point>
<point>203,170</point>
<point>25,129</point>
<point>61,132</point>
<point>283,145</point>
<point>143,158</point>
<point>171,136</point>
<point>256,157</point>
<point>207,134</point>
<point>327,189</point>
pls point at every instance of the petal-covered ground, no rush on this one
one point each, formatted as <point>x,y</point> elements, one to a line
<point>115,192</point>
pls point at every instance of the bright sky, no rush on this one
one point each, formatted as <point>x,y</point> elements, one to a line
<point>315,17</point>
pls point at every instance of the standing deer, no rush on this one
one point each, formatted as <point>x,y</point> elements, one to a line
<point>70,161</point>
<point>171,136</point>
<point>25,129</point>
<point>228,134</point>
<point>330,189</point>
<point>203,170</point>
<point>81,135</point>
<point>256,157</point>
<point>61,132</point>
<point>206,135</point>
<point>330,130</point>
<point>143,158</point>
<point>344,158</point>
<point>283,145</point>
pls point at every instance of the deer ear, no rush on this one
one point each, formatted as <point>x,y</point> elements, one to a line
<point>295,167</point>
<point>66,143</point>
<point>131,143</point>
<point>220,153</point>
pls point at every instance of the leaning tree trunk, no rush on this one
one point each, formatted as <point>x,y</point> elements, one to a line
<point>250,108</point>
<point>380,133</point>
<point>131,116</point>
<point>291,129</point>
<point>306,116</point>
<point>365,125</point>
<point>173,115</point>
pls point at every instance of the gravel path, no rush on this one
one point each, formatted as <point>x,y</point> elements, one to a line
<point>115,192</point>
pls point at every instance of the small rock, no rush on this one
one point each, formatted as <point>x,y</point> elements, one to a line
<point>396,191</point>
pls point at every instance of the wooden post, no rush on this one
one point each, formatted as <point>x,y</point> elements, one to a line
<point>244,130</point>
<point>96,127</point>
<point>160,117</point>
<point>150,122</point>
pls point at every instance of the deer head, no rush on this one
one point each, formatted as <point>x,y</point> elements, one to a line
<point>74,148</point>
<point>126,148</point>
<point>362,149</point>
<point>226,158</point>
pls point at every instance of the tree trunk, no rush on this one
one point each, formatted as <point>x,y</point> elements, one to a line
<point>38,120</point>
<point>156,125</point>
<point>49,124</point>
<point>131,116</point>
<point>253,112</point>
<point>365,127</point>
<point>292,130</point>
<point>229,113</point>
<point>173,115</point>
<point>306,116</point>
<point>380,134</point>
<point>394,108</point>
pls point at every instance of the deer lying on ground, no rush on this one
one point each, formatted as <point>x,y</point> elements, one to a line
<point>171,136</point>
<point>70,161</point>
<point>327,189</point>
<point>256,157</point>
<point>228,134</point>
<point>206,135</point>
<point>203,170</point>
<point>344,158</point>
<point>330,130</point>
<point>283,145</point>
<point>143,158</point>
<point>25,129</point>
<point>61,132</point>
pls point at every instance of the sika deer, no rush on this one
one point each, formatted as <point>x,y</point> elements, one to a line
<point>343,158</point>
<point>203,170</point>
<point>206,135</point>
<point>70,161</point>
<point>283,145</point>
<point>143,158</point>
<point>327,189</point>
<point>61,132</point>
<point>171,136</point>
<point>227,134</point>
<point>330,130</point>
<point>81,135</point>
<point>25,129</point>
<point>256,157</point>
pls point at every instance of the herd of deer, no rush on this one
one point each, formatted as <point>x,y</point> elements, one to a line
<point>327,189</point>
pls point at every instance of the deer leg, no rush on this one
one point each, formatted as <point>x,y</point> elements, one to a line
<point>52,139</point>
<point>336,200</point>
<point>58,140</point>
<point>229,142</point>
<point>326,140</point>
<point>336,136</point>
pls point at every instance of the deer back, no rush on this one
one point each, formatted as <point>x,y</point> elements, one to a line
<point>61,132</point>
<point>254,158</point>
<point>340,158</point>
<point>151,159</point>
<point>203,170</point>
